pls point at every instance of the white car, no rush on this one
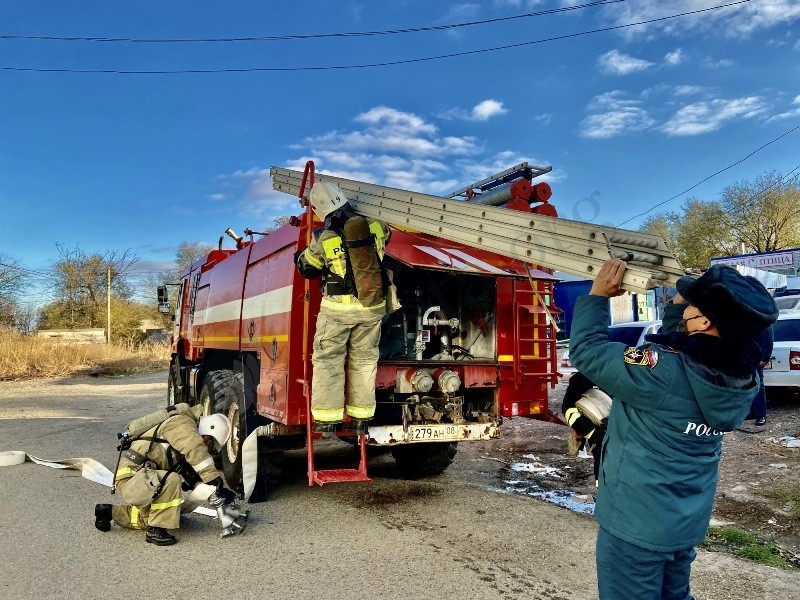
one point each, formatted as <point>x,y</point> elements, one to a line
<point>783,369</point>
<point>630,334</point>
<point>788,303</point>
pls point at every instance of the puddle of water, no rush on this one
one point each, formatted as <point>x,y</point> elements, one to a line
<point>537,468</point>
<point>579,503</point>
<point>564,498</point>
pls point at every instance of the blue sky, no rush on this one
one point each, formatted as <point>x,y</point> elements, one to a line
<point>627,118</point>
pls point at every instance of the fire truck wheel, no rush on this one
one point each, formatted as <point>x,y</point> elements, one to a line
<point>173,392</point>
<point>223,392</point>
<point>424,460</point>
<point>270,469</point>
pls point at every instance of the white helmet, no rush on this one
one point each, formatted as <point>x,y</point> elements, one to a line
<point>217,426</point>
<point>326,197</point>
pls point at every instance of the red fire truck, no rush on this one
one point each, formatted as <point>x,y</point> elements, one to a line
<point>473,342</point>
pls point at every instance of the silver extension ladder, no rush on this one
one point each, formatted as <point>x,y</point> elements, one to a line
<point>570,246</point>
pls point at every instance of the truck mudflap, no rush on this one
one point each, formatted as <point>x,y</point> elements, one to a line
<point>389,435</point>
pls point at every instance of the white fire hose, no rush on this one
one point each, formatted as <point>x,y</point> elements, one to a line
<point>94,471</point>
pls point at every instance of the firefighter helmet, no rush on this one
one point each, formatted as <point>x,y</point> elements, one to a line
<point>594,404</point>
<point>217,426</point>
<point>326,197</point>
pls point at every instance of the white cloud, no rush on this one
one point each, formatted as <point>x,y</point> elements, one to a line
<point>674,58</point>
<point>483,111</point>
<point>617,63</point>
<point>543,119</point>
<point>216,197</point>
<point>390,117</point>
<point>796,46</point>
<point>614,116</point>
<point>387,146</point>
<point>459,13</point>
<point>518,3</point>
<point>789,114</point>
<point>487,109</point>
<point>688,90</point>
<point>707,116</point>
<point>710,63</point>
<point>738,20</point>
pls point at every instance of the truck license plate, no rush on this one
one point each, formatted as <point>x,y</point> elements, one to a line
<point>433,433</point>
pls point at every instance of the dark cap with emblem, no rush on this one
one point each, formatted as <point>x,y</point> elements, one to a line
<point>738,305</point>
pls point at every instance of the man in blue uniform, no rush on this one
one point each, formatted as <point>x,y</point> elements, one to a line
<point>674,398</point>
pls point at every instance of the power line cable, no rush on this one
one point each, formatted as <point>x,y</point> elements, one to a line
<point>741,160</point>
<point>42,274</point>
<point>370,65</point>
<point>310,36</point>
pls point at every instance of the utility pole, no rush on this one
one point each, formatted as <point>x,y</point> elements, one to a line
<point>108,301</point>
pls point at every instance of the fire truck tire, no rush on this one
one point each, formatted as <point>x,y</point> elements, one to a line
<point>268,473</point>
<point>173,391</point>
<point>424,460</point>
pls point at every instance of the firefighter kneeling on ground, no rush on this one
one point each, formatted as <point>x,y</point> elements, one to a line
<point>153,470</point>
<point>347,254</point>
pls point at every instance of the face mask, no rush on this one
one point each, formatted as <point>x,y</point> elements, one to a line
<point>682,324</point>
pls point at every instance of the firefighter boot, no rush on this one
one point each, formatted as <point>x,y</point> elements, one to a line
<point>159,536</point>
<point>358,426</point>
<point>326,428</point>
<point>102,517</point>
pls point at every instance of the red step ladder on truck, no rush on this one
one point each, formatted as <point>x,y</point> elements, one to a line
<point>473,342</point>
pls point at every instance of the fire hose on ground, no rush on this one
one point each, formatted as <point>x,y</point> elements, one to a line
<point>232,518</point>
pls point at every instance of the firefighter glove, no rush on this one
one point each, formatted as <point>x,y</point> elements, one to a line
<point>222,492</point>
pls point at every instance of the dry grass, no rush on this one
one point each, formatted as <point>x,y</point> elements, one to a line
<point>28,357</point>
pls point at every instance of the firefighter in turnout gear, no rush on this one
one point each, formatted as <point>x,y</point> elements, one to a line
<point>585,431</point>
<point>346,253</point>
<point>152,471</point>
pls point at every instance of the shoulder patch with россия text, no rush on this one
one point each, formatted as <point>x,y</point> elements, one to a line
<point>643,358</point>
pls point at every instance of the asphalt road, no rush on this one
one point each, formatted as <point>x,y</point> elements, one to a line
<point>447,537</point>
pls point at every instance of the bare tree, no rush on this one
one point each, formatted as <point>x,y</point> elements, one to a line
<point>14,280</point>
<point>81,286</point>
<point>187,253</point>
<point>764,214</point>
<point>12,277</point>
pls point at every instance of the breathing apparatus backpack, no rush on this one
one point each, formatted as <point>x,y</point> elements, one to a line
<point>138,427</point>
<point>363,262</point>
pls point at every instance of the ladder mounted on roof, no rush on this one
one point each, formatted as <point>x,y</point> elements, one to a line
<point>571,246</point>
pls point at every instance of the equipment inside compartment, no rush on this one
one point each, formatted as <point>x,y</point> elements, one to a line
<point>462,328</point>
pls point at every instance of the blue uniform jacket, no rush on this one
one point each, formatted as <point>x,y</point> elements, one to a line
<point>661,452</point>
